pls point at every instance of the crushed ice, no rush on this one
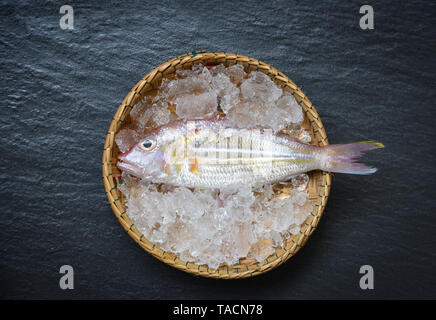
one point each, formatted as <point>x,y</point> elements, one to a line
<point>214,226</point>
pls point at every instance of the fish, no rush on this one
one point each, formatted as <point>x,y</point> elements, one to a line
<point>212,153</point>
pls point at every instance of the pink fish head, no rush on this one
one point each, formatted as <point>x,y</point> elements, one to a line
<point>144,159</point>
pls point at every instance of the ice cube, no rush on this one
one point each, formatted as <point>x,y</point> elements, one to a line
<point>236,73</point>
<point>293,109</point>
<point>258,86</point>
<point>300,181</point>
<point>125,138</point>
<point>189,106</point>
<point>227,92</point>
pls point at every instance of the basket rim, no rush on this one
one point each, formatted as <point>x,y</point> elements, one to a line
<point>151,81</point>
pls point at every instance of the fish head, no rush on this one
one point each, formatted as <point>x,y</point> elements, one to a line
<point>145,159</point>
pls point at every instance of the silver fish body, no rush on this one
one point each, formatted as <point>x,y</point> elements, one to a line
<point>210,153</point>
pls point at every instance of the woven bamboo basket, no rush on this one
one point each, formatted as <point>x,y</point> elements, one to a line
<point>318,187</point>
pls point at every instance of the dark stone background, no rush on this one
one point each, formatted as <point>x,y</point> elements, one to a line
<point>60,89</point>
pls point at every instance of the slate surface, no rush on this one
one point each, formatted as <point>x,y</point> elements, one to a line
<point>60,89</point>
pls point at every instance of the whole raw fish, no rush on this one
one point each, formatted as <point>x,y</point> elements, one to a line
<point>209,153</point>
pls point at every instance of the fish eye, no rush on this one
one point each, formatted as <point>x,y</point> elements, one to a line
<point>147,144</point>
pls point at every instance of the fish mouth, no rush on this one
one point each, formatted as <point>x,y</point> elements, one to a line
<point>127,166</point>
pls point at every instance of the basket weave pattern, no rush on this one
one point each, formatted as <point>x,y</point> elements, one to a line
<point>319,182</point>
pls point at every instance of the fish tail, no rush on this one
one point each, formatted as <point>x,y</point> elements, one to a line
<point>343,157</point>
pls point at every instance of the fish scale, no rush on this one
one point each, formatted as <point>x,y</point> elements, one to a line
<point>239,156</point>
